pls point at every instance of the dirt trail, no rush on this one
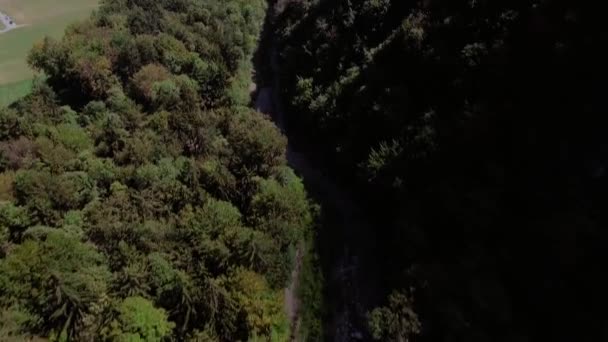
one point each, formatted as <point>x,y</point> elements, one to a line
<point>352,283</point>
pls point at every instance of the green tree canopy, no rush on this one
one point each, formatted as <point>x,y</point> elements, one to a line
<point>139,321</point>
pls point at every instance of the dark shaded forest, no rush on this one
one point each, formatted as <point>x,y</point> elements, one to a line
<point>471,131</point>
<point>140,198</point>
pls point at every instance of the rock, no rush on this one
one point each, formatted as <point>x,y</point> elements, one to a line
<point>357,335</point>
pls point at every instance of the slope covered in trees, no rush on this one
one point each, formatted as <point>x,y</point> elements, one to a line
<point>140,200</point>
<point>472,130</point>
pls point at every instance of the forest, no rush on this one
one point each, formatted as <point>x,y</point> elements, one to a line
<point>472,132</point>
<point>141,199</point>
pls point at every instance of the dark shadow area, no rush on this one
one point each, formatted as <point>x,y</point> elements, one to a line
<point>473,134</point>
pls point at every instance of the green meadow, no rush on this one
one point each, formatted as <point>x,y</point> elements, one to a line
<point>12,91</point>
<point>39,18</point>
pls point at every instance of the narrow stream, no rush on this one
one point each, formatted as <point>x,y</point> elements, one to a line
<point>351,285</point>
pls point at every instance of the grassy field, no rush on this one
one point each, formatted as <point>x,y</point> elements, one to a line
<point>12,91</point>
<point>40,18</point>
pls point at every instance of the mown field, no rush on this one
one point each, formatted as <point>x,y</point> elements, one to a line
<point>40,18</point>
